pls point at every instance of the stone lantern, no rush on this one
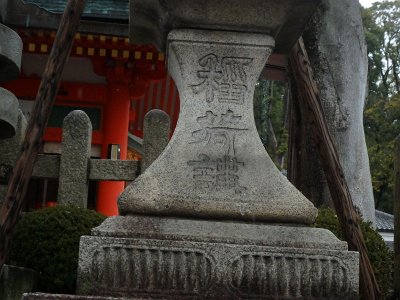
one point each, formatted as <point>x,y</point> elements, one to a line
<point>212,217</point>
<point>12,120</point>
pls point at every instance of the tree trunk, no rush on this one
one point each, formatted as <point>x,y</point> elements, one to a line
<point>336,45</point>
<point>308,95</point>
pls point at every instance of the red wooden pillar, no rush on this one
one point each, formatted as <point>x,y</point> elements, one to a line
<point>115,131</point>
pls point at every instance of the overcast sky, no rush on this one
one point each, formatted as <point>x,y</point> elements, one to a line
<point>366,3</point>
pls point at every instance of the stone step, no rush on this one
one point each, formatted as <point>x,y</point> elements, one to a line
<point>44,296</point>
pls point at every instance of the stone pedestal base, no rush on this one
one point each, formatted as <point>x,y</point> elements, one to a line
<point>193,259</point>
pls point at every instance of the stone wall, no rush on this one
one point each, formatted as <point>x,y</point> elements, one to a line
<point>14,281</point>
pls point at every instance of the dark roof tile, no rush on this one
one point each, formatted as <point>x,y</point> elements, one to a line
<point>384,221</point>
<point>114,9</point>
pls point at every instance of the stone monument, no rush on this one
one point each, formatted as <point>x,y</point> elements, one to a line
<point>12,133</point>
<point>73,183</point>
<point>10,53</point>
<point>12,120</point>
<point>185,232</point>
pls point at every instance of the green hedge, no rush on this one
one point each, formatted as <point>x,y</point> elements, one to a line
<point>380,256</point>
<point>47,241</point>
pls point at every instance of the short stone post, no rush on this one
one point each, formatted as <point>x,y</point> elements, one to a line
<point>156,130</point>
<point>75,154</point>
<point>15,281</point>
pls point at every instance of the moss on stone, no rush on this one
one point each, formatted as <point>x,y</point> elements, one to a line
<point>47,241</point>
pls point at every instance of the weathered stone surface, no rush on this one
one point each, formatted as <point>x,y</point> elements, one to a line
<point>9,110</point>
<point>215,165</point>
<point>151,21</point>
<point>43,296</point>
<point>214,260</point>
<point>46,166</point>
<point>156,130</point>
<point>217,231</point>
<point>107,169</point>
<point>9,150</point>
<point>75,149</point>
<point>14,281</point>
<point>10,53</point>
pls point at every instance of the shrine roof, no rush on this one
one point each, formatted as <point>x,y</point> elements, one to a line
<point>107,17</point>
<point>114,9</point>
<point>384,221</point>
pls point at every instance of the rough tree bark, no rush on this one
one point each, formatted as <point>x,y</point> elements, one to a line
<point>308,96</point>
<point>336,45</point>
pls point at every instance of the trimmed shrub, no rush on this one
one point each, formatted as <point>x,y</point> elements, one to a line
<point>47,241</point>
<point>380,256</point>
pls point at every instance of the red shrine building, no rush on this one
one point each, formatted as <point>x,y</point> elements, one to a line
<point>115,82</point>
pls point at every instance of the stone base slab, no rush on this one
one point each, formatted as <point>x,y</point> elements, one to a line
<point>193,259</point>
<point>43,296</point>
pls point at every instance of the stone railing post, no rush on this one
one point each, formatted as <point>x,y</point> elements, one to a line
<point>156,130</point>
<point>75,155</point>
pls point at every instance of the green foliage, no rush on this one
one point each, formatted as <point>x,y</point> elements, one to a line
<point>382,125</point>
<point>269,115</point>
<point>382,23</point>
<point>380,256</point>
<point>382,111</point>
<point>47,241</point>
<point>261,109</point>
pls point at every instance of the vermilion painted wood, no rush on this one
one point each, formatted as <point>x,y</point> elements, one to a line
<point>115,131</point>
<point>87,93</point>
